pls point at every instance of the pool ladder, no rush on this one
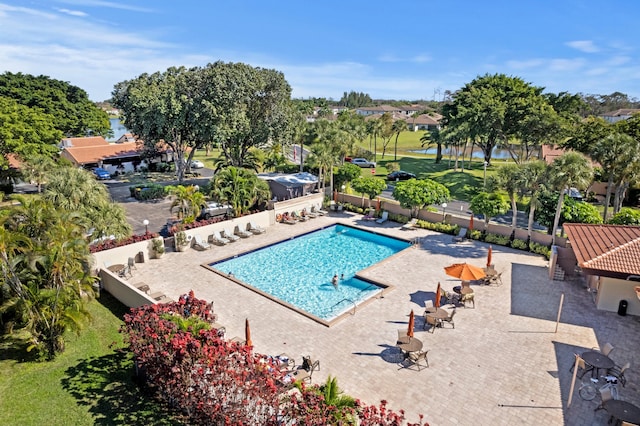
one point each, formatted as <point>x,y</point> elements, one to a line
<point>347,300</point>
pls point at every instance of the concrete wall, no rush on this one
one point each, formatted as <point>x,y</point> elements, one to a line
<point>123,291</point>
<point>296,204</point>
<point>121,254</point>
<point>612,290</point>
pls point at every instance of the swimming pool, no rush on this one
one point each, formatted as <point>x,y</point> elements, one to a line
<point>299,271</point>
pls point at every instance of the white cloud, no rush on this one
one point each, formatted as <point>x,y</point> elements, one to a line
<point>618,60</point>
<point>566,65</point>
<point>106,4</point>
<point>586,46</point>
<point>72,12</point>
<point>524,64</point>
<point>421,58</point>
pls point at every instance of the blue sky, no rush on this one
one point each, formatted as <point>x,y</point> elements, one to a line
<point>401,50</point>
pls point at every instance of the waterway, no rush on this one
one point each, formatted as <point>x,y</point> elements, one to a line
<point>498,153</point>
<point>118,129</point>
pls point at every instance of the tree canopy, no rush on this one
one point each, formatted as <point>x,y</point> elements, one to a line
<point>235,105</point>
<point>415,194</point>
<point>72,111</point>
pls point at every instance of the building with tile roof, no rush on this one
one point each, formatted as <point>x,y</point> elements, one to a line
<point>609,256</point>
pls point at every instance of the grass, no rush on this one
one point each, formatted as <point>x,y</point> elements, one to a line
<point>90,383</point>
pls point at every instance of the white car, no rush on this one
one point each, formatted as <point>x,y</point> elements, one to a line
<point>363,162</point>
<point>197,164</point>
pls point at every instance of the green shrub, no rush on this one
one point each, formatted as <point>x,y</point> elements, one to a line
<point>626,216</point>
<point>151,191</point>
<point>496,239</point>
<point>352,208</point>
<point>398,218</point>
<point>439,227</point>
<point>519,244</point>
<point>540,249</point>
<point>474,234</point>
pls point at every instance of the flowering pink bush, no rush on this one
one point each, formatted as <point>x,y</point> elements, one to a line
<point>109,244</point>
<point>213,381</point>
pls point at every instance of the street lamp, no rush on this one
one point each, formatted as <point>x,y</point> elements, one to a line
<point>484,185</point>
<point>444,209</point>
<point>146,226</point>
<point>343,187</point>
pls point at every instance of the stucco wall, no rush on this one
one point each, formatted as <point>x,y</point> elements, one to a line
<point>123,291</point>
<point>612,290</point>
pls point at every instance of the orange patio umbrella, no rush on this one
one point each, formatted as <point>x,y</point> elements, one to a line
<point>465,272</point>
<point>247,333</point>
<point>412,322</point>
<point>471,222</point>
<point>489,257</point>
<point>436,303</point>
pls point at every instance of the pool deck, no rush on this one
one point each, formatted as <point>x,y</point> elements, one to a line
<point>503,363</point>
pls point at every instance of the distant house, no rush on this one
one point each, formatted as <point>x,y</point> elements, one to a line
<point>609,257</point>
<point>288,186</point>
<point>620,114</point>
<point>121,157</point>
<point>376,110</point>
<point>424,122</point>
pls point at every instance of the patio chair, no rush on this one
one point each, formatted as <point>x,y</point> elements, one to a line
<point>428,306</point>
<point>216,238</point>
<point>618,373</point>
<point>226,233</point>
<point>157,295</point>
<point>419,359</point>
<point>305,371</point>
<point>384,217</point>
<point>583,367</point>
<point>429,320</point>
<point>461,236</point>
<point>297,216</point>
<point>410,226</point>
<point>318,210</point>
<point>469,297</point>
<point>449,319</point>
<point>200,244</point>
<point>495,279</point>
<point>310,214</point>
<point>241,232</point>
<point>131,263</point>
<point>255,229</point>
<point>607,393</point>
<point>605,350</point>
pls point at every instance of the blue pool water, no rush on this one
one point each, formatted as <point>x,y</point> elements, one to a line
<point>299,271</point>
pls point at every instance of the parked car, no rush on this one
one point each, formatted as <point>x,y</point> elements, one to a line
<point>363,162</point>
<point>197,164</point>
<point>101,173</point>
<point>215,210</point>
<point>400,175</point>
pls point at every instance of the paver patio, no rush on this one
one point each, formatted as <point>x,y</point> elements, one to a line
<point>501,365</point>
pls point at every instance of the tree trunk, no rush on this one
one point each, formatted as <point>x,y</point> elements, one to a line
<point>438,152</point>
<point>556,219</point>
<point>514,214</point>
<point>607,198</point>
<point>532,210</point>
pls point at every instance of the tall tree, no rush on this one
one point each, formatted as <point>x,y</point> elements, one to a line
<point>240,188</point>
<point>569,170</point>
<point>398,127</point>
<point>74,114</point>
<point>532,178</point>
<point>416,194</point>
<point>508,178</point>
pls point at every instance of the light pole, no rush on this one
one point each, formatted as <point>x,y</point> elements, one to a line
<point>343,187</point>
<point>484,185</point>
<point>146,226</point>
<point>444,209</point>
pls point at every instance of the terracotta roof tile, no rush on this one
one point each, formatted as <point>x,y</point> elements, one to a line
<point>609,248</point>
<point>88,141</point>
<point>93,154</point>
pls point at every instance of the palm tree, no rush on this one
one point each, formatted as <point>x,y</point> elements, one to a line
<point>37,168</point>
<point>508,178</point>
<point>398,127</point>
<point>569,170</point>
<point>532,177</point>
<point>240,188</point>
<point>187,200</point>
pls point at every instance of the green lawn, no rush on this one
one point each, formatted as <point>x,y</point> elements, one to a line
<point>90,383</point>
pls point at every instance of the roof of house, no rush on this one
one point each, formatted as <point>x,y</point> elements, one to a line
<point>425,119</point>
<point>93,154</point>
<point>608,250</point>
<point>621,112</point>
<point>88,141</point>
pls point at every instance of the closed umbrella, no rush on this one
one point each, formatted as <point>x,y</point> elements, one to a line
<point>471,222</point>
<point>412,322</point>
<point>489,257</point>
<point>436,303</point>
<point>247,333</point>
<point>465,272</point>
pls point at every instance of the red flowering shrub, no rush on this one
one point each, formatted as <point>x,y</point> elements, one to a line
<point>109,244</point>
<point>213,381</point>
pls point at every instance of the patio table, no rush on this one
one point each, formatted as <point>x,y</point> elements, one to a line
<point>409,344</point>
<point>622,410</point>
<point>598,361</point>
<point>118,268</point>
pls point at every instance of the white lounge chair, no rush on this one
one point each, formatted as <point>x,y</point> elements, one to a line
<point>226,233</point>
<point>384,217</point>
<point>241,232</point>
<point>318,210</point>
<point>200,244</point>
<point>216,238</point>
<point>461,235</point>
<point>411,225</point>
<point>253,228</point>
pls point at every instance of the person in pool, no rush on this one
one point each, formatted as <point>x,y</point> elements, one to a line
<point>334,281</point>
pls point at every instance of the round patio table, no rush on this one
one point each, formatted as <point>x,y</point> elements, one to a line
<point>623,410</point>
<point>410,344</point>
<point>597,360</point>
<point>439,314</point>
<point>466,290</point>
<point>117,268</point>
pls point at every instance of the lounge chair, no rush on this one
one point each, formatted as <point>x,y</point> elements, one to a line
<point>297,216</point>
<point>255,229</point>
<point>218,239</point>
<point>226,233</point>
<point>384,217</point>
<point>286,218</point>
<point>410,226</point>
<point>318,210</point>
<point>309,214</point>
<point>200,244</point>
<point>371,215</point>
<point>241,232</point>
<point>157,295</point>
<point>461,235</point>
